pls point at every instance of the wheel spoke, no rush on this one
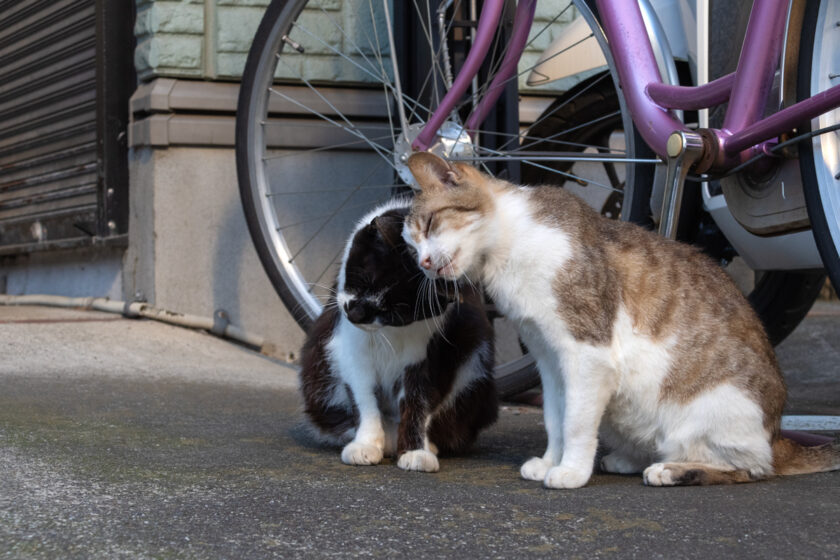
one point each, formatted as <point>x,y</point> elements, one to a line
<point>486,88</point>
<point>577,127</point>
<point>336,211</point>
<point>539,140</point>
<point>609,167</point>
<point>310,219</point>
<point>321,191</point>
<point>558,108</point>
<point>292,153</point>
<point>378,148</point>
<point>531,162</point>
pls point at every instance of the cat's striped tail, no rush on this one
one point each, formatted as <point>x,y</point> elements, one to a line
<point>789,457</point>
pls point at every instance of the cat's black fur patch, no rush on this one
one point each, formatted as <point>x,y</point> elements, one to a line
<point>379,262</point>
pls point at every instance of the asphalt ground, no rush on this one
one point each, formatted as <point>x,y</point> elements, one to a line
<point>132,439</point>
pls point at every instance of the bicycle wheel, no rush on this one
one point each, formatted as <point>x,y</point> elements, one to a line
<point>320,137</point>
<point>819,159</point>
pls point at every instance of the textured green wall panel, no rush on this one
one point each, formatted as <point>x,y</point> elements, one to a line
<point>210,38</point>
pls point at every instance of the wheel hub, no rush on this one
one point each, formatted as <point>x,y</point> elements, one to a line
<point>451,142</point>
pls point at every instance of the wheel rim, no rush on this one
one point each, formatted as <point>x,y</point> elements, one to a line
<point>826,147</point>
<point>306,259</point>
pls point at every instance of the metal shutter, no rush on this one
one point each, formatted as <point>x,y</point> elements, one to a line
<point>51,169</point>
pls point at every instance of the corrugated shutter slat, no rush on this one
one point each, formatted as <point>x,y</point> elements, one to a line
<point>48,156</point>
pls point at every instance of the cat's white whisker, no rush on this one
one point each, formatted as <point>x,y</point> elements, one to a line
<point>388,342</point>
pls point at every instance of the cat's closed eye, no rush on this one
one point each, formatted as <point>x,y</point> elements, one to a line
<point>428,225</point>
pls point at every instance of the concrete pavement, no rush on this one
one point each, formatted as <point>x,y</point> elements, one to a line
<point>134,439</point>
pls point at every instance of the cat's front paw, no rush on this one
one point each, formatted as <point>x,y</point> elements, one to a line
<point>658,474</point>
<point>418,460</point>
<point>535,469</point>
<point>564,477</point>
<point>361,454</point>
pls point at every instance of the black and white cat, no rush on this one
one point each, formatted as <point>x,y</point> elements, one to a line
<point>394,364</point>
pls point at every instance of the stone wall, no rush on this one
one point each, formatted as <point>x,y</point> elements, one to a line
<point>209,39</point>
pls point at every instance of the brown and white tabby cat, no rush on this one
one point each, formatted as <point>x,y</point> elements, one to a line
<point>644,339</point>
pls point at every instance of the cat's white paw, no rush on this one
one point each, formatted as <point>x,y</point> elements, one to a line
<point>564,477</point>
<point>361,454</point>
<point>658,475</point>
<point>616,463</point>
<point>418,460</point>
<point>535,469</point>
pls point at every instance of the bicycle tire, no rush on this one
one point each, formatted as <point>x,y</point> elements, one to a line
<point>254,219</point>
<point>253,111</point>
<point>821,179</point>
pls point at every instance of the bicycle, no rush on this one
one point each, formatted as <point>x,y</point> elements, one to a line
<point>318,100</point>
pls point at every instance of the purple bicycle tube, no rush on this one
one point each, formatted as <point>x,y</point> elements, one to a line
<point>521,26</point>
<point>625,29</point>
<point>689,98</point>
<point>757,64</point>
<point>784,120</point>
<point>487,23</point>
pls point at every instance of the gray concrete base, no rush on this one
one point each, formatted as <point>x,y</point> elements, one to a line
<point>189,248</point>
<point>86,272</point>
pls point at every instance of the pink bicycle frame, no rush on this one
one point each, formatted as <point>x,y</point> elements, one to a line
<point>744,132</point>
<point>488,21</point>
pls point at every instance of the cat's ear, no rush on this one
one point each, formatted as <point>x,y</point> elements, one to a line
<point>389,227</point>
<point>432,171</point>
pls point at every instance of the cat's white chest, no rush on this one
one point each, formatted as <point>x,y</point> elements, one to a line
<point>521,279</point>
<point>382,355</point>
<point>641,365</point>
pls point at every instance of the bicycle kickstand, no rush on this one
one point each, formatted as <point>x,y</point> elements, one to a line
<point>685,148</point>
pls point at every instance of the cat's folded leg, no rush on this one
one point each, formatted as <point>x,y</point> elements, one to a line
<point>694,474</point>
<point>620,463</point>
<point>553,404</point>
<point>588,388</point>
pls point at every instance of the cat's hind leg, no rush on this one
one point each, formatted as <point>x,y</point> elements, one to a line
<point>693,474</point>
<point>618,462</point>
<point>624,456</point>
<point>719,437</point>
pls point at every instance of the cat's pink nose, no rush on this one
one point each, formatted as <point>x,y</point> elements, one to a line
<point>426,263</point>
